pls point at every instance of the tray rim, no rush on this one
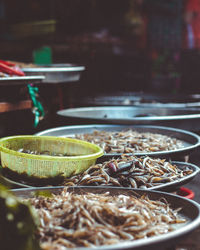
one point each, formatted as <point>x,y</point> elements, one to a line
<point>21,80</point>
<point>149,118</point>
<point>53,69</point>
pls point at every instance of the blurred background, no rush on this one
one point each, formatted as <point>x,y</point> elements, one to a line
<point>127,46</point>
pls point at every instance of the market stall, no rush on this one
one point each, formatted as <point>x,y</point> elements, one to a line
<point>99,125</point>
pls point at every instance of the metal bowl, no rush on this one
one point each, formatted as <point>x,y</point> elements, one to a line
<point>18,182</point>
<point>191,141</point>
<point>190,210</point>
<point>188,119</point>
<point>140,99</point>
<point>56,73</point>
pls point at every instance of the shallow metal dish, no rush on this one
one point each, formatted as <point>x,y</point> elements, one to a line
<point>190,210</point>
<point>57,73</point>
<point>188,119</point>
<point>140,99</point>
<point>21,80</point>
<point>175,185</point>
<point>190,140</point>
<point>168,187</point>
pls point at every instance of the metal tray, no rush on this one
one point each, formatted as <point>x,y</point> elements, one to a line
<point>190,210</point>
<point>168,187</point>
<point>57,73</point>
<point>190,140</point>
<point>21,80</point>
<point>188,119</point>
<point>175,185</point>
<point>140,99</point>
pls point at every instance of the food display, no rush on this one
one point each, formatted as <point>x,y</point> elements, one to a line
<point>130,141</point>
<point>131,171</point>
<point>69,220</point>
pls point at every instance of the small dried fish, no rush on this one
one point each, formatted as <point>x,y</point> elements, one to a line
<point>131,141</point>
<point>91,220</point>
<point>130,171</point>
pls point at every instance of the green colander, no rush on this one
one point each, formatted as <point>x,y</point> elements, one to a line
<point>80,155</point>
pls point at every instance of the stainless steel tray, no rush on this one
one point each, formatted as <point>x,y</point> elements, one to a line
<point>21,80</point>
<point>175,185</point>
<point>168,187</point>
<point>141,99</point>
<point>188,119</point>
<point>190,210</point>
<point>57,73</point>
<point>191,141</point>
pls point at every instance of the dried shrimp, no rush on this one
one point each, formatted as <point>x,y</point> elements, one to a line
<point>130,141</point>
<point>70,220</point>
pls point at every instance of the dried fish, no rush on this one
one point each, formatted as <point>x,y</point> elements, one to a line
<point>92,220</point>
<point>130,171</point>
<point>131,141</point>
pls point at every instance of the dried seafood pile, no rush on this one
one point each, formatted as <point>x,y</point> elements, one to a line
<point>130,171</point>
<point>130,141</point>
<point>72,220</point>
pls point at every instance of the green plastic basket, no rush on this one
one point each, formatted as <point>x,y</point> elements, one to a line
<point>82,155</point>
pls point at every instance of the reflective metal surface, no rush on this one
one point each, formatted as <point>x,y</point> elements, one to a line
<point>191,141</point>
<point>188,119</point>
<point>140,99</point>
<point>21,80</point>
<point>57,73</point>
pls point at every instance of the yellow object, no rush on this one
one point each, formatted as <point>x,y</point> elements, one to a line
<point>36,28</point>
<point>82,155</point>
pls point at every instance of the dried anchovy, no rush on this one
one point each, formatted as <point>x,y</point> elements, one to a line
<point>70,220</point>
<point>130,141</point>
<point>130,171</point>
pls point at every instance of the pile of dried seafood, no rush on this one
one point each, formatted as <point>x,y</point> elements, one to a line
<point>72,220</point>
<point>130,141</point>
<point>130,171</point>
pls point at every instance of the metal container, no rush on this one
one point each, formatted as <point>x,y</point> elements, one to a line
<point>140,99</point>
<point>19,182</point>
<point>188,119</point>
<point>57,73</point>
<point>190,210</point>
<point>21,80</point>
<point>191,141</point>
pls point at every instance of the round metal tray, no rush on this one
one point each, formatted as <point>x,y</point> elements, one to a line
<point>188,119</point>
<point>57,73</point>
<point>191,141</point>
<point>141,99</point>
<point>21,80</point>
<point>190,210</point>
<point>168,187</point>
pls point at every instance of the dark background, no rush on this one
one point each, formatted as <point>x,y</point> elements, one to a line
<point>126,45</point>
